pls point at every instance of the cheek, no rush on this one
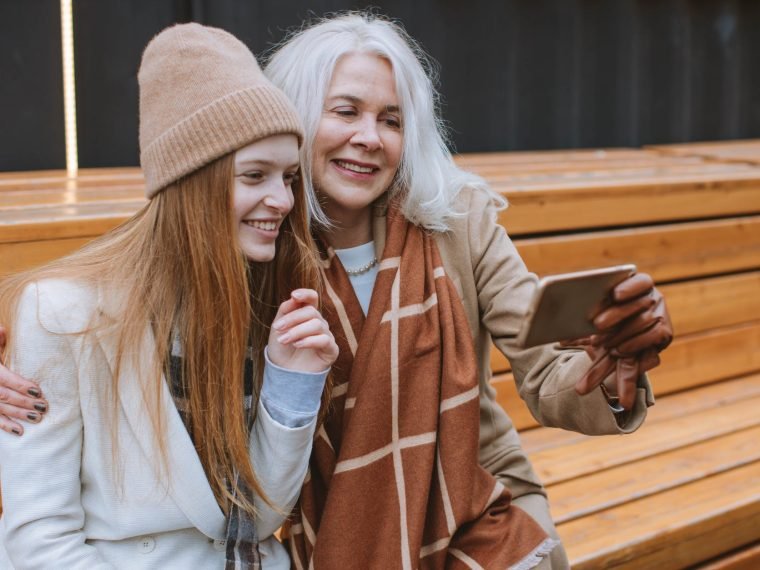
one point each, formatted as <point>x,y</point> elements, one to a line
<point>393,151</point>
<point>238,200</point>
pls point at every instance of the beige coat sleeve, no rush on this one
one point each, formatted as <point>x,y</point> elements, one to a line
<point>546,375</point>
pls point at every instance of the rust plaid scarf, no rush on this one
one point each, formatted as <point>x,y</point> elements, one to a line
<point>394,479</point>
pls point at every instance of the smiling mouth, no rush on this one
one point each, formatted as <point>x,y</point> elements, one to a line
<point>355,167</point>
<point>268,226</point>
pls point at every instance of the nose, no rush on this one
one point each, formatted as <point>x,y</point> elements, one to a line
<point>279,197</point>
<point>366,134</point>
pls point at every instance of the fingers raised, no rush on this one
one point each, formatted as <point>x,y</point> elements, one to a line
<point>635,286</point>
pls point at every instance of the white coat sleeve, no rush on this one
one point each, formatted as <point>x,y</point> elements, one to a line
<point>280,458</point>
<point>43,516</point>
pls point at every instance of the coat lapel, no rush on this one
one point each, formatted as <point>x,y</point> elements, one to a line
<point>187,484</point>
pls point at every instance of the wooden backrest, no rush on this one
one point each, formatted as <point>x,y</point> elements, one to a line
<point>691,222</point>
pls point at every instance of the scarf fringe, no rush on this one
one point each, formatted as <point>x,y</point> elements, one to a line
<point>536,556</point>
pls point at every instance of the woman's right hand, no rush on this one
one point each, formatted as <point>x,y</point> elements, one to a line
<point>20,399</point>
<point>300,338</point>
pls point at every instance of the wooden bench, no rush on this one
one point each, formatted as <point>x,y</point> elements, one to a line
<point>682,491</point>
<point>44,215</point>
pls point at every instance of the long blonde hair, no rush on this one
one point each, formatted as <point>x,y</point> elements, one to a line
<point>181,272</point>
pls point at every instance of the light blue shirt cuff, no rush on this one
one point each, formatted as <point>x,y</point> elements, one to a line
<point>292,398</point>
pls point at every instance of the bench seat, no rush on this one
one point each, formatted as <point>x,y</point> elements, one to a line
<point>684,490</point>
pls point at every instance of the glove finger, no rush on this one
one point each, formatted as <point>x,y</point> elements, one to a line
<point>617,313</point>
<point>648,359</point>
<point>627,381</point>
<point>658,336</point>
<point>599,370</point>
<point>635,286</point>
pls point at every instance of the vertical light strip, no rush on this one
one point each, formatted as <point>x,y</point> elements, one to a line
<point>69,92</point>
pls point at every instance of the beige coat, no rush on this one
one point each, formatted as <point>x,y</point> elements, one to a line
<point>495,288</point>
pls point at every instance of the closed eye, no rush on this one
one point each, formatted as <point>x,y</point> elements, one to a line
<point>291,178</point>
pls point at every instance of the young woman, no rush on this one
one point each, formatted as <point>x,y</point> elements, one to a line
<point>180,421</point>
<point>410,467</point>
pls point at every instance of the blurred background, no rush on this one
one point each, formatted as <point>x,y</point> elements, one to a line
<point>514,74</point>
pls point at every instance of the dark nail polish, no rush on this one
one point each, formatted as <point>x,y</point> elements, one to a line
<point>40,408</point>
<point>14,430</point>
<point>33,392</point>
<point>32,416</point>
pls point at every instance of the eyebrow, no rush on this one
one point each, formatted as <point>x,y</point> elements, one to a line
<point>356,100</point>
<point>263,162</point>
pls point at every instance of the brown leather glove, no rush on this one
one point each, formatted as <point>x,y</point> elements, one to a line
<point>633,330</point>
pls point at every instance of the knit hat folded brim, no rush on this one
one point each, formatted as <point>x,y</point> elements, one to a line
<point>221,127</point>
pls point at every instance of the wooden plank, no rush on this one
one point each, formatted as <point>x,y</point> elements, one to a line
<point>667,252</point>
<point>599,490</point>
<point>570,461</point>
<point>33,177</point>
<point>673,529</point>
<point>41,225</point>
<point>666,408</point>
<point>697,306</point>
<point>549,156</point>
<point>592,166</point>
<point>20,201</point>
<point>25,255</point>
<point>747,558</point>
<point>691,361</point>
<point>560,205</point>
<point>702,358</point>
<point>704,304</point>
<point>738,150</point>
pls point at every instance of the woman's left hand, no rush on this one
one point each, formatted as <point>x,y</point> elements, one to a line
<point>632,333</point>
<point>300,338</point>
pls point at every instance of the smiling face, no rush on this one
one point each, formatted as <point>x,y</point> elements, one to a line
<point>357,148</point>
<point>264,174</point>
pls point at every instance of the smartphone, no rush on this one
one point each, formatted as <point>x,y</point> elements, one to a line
<point>564,305</point>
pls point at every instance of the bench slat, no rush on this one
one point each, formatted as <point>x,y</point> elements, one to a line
<point>747,558</point>
<point>593,454</point>
<point>601,490</point>
<point>666,408</point>
<point>667,252</point>
<point>24,255</point>
<point>672,529</point>
<point>569,205</point>
<point>691,361</point>
<point>737,150</point>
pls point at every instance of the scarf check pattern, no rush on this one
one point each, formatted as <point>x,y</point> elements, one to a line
<point>394,480</point>
<point>241,539</point>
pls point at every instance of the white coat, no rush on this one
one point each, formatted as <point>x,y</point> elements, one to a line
<point>67,505</point>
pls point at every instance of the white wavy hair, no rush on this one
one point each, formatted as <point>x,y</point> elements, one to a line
<point>427,180</point>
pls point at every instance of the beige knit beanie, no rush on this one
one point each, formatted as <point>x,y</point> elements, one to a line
<point>202,95</point>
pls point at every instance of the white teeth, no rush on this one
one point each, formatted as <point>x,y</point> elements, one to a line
<point>355,167</point>
<point>269,226</point>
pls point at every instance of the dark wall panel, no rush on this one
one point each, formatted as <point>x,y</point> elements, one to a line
<point>31,91</point>
<point>110,37</point>
<point>514,74</point>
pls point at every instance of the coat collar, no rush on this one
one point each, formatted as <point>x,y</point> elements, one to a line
<point>187,484</point>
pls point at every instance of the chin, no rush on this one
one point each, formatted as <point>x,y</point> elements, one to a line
<point>260,256</point>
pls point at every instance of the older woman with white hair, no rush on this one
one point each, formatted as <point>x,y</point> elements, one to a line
<point>422,281</point>
<point>417,465</point>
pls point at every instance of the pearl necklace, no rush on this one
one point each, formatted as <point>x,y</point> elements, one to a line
<point>363,269</point>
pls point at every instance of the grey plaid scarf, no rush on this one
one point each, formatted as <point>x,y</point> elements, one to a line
<point>242,542</point>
